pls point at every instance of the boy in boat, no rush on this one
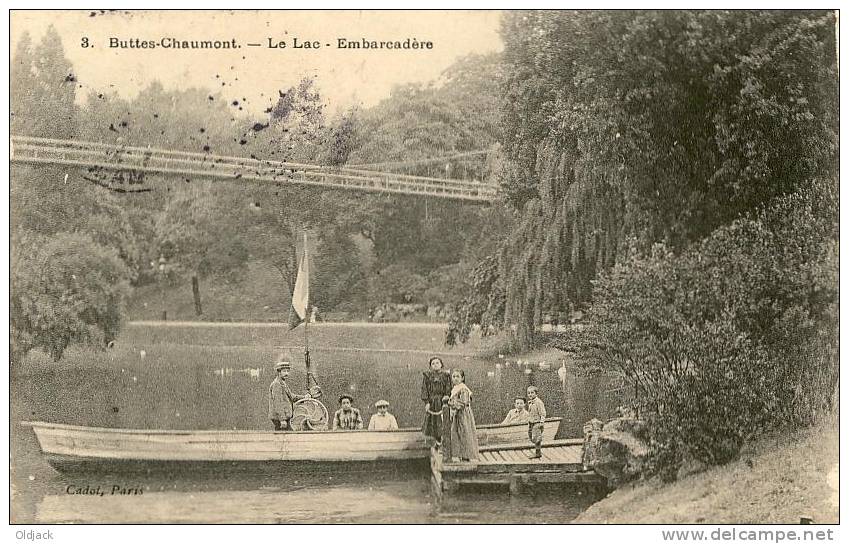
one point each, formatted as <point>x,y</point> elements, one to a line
<point>281,398</point>
<point>536,420</point>
<point>519,414</point>
<point>347,417</point>
<point>382,420</point>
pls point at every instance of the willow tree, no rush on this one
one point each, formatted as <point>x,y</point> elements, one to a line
<point>630,128</point>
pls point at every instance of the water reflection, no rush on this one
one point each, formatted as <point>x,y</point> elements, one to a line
<point>192,381</point>
<point>297,497</point>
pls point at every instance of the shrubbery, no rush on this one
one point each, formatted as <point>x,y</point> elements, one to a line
<point>735,336</point>
<point>67,288</point>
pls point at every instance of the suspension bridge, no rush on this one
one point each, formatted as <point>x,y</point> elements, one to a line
<point>123,169</point>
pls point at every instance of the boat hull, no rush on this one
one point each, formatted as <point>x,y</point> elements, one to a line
<point>72,447</point>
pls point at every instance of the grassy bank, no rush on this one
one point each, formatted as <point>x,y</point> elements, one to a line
<point>258,296</point>
<point>777,480</point>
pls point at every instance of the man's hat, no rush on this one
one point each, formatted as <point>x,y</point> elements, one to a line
<point>380,403</point>
<point>282,364</point>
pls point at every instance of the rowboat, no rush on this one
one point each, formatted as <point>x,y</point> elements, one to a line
<point>71,447</point>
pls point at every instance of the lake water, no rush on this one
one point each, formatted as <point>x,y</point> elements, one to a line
<point>217,378</point>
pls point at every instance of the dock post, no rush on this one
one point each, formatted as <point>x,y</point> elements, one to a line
<point>515,484</point>
<point>449,487</point>
<point>436,473</point>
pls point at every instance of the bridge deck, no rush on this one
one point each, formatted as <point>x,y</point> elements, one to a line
<point>96,158</point>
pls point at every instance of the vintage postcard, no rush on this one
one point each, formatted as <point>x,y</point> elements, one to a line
<point>424,267</point>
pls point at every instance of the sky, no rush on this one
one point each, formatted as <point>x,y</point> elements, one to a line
<point>345,77</point>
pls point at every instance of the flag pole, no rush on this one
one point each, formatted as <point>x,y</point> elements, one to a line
<point>307,317</point>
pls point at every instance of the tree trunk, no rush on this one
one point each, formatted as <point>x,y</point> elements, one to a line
<point>196,294</point>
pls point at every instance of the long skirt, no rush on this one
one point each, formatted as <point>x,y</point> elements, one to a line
<point>464,437</point>
<point>433,426</point>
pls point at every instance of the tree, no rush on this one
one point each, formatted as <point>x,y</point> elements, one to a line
<point>49,109</point>
<point>194,233</point>
<point>22,86</point>
<point>656,126</point>
<point>411,127</point>
<point>344,136</point>
<point>297,131</point>
<point>338,276</point>
<point>67,289</point>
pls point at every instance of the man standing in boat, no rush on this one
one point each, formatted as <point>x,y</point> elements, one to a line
<point>281,398</point>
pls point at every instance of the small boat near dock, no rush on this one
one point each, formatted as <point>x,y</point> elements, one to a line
<point>72,447</point>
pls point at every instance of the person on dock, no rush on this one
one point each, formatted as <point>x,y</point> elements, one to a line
<point>436,387</point>
<point>347,417</point>
<point>280,398</point>
<point>519,413</point>
<point>536,421</point>
<point>464,436</point>
<point>382,420</point>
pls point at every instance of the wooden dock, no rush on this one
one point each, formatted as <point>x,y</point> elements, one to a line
<point>511,466</point>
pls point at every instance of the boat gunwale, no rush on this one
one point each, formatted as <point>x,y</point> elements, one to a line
<point>183,432</point>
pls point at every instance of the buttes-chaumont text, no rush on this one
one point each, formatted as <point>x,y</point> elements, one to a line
<point>270,43</point>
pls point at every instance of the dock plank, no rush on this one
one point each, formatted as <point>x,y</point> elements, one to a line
<point>560,454</point>
<point>575,455</point>
<point>550,456</point>
<point>561,464</point>
<point>519,456</point>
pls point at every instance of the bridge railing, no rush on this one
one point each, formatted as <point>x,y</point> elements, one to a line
<point>139,159</point>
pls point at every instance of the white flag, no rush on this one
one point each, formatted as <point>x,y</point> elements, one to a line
<point>301,293</point>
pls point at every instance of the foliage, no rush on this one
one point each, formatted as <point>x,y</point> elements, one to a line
<point>398,284</point>
<point>67,288</point>
<point>733,337</point>
<point>337,276</point>
<point>298,131</point>
<point>484,307</point>
<point>344,135</point>
<point>194,233</point>
<point>184,120</point>
<point>415,124</point>
<point>652,126</point>
<point>43,85</point>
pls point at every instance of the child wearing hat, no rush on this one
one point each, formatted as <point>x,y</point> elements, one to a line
<point>347,417</point>
<point>382,420</point>
<point>280,398</point>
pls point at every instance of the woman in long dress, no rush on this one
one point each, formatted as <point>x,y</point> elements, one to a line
<point>436,386</point>
<point>464,438</point>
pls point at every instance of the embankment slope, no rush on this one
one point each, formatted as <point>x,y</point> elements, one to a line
<point>777,480</point>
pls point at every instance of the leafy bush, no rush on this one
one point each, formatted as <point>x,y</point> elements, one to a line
<point>65,289</point>
<point>735,336</point>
